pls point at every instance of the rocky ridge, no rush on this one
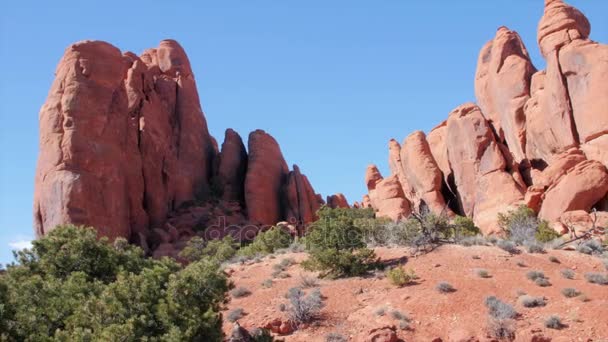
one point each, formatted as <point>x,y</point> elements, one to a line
<point>534,137</point>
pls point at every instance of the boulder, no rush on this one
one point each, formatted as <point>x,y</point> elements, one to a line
<point>388,199</point>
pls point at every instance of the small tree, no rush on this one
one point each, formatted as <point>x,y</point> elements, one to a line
<point>267,242</point>
<point>522,226</point>
<point>336,243</point>
<point>220,250</point>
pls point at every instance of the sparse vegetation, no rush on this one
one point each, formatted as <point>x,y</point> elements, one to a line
<point>398,315</point>
<point>570,292</point>
<point>567,273</point>
<point>542,282</point>
<point>534,247</point>
<point>482,273</point>
<point>534,275</point>
<point>591,247</point>
<point>507,246</point>
<point>399,277</point>
<point>308,281</point>
<point>240,292</point>
<point>597,278</point>
<point>381,311</point>
<point>335,337</point>
<point>531,301</point>
<point>476,240</point>
<point>554,259</point>
<point>521,264</point>
<point>267,283</point>
<point>445,287</point>
<point>554,322</point>
<point>235,315</point>
<point>501,322</point>
<point>303,308</point>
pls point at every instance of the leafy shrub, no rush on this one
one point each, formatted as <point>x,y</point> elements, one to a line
<point>267,242</point>
<point>507,246</point>
<point>570,292</point>
<point>591,247</point>
<point>522,226</point>
<point>554,322</point>
<point>532,302</point>
<point>336,244</point>
<point>464,227</point>
<point>533,275</point>
<point>235,315</point>
<point>399,277</point>
<point>597,278</point>
<point>70,286</point>
<point>567,273</point>
<point>445,287</point>
<point>220,250</point>
<point>240,292</point>
<point>303,308</point>
<point>483,273</point>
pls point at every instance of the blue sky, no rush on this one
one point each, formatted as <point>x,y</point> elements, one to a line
<point>332,81</point>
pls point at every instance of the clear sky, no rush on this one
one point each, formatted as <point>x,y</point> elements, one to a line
<point>332,81</point>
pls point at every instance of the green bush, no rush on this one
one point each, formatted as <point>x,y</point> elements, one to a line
<point>267,243</point>
<point>336,244</point>
<point>522,226</point>
<point>464,227</point>
<point>220,250</point>
<point>72,286</point>
<point>399,277</point>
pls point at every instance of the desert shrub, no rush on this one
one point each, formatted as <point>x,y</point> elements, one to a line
<point>445,287</point>
<point>542,282</point>
<point>521,264</point>
<point>534,247</point>
<point>570,292</point>
<point>483,273</point>
<point>605,262</point>
<point>531,301</point>
<point>507,246</point>
<point>267,283</point>
<point>399,277</point>
<point>240,292</point>
<point>567,273</point>
<point>71,286</point>
<point>398,315</point>
<point>597,278</point>
<point>381,311</point>
<point>220,250</point>
<point>476,240</point>
<point>533,275</point>
<point>282,307</point>
<point>499,309</point>
<point>554,259</point>
<point>404,325</point>
<point>336,244</point>
<point>591,247</point>
<point>522,226</point>
<point>335,337</point>
<point>308,281</point>
<point>235,315</point>
<point>261,335</point>
<point>501,322</point>
<point>267,242</point>
<point>554,322</point>
<point>303,308</point>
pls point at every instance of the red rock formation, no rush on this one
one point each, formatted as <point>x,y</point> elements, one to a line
<point>386,195</point>
<point>266,173</point>
<point>338,201</point>
<point>538,137</point>
<point>301,203</point>
<point>502,87</point>
<point>422,171</point>
<point>232,167</point>
<point>124,147</point>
